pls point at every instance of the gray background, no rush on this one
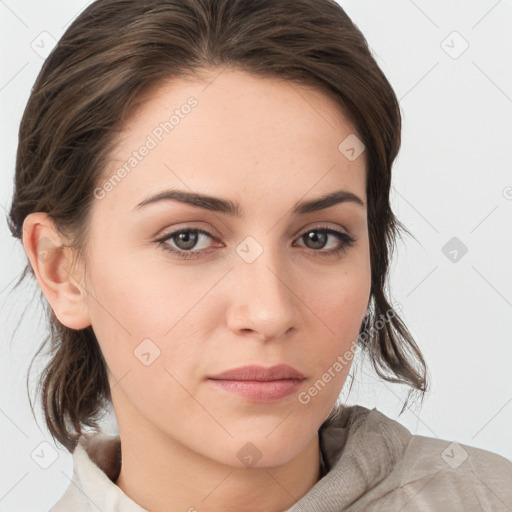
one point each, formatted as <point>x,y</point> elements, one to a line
<point>452,179</point>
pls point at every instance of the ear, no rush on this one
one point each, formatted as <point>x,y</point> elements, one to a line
<point>51,263</point>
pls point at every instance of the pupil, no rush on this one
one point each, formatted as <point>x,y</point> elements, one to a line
<point>189,239</point>
<point>318,239</point>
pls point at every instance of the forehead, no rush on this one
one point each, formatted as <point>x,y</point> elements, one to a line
<point>233,133</point>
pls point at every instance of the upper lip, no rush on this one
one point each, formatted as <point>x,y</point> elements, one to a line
<point>260,373</point>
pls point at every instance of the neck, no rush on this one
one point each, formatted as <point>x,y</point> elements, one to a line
<point>162,475</point>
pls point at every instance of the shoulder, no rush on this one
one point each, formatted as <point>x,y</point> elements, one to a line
<point>438,475</point>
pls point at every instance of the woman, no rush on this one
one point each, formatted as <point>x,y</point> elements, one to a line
<point>202,190</point>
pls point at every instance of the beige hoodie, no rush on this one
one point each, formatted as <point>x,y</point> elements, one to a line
<point>371,463</point>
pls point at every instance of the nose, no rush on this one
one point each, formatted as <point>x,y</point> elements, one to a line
<point>262,302</point>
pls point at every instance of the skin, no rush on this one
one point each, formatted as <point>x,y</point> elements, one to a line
<point>266,144</point>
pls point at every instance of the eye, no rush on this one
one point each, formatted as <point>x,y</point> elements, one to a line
<point>185,239</point>
<point>181,242</point>
<point>318,237</point>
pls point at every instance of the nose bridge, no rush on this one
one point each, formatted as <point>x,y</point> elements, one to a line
<point>263,299</point>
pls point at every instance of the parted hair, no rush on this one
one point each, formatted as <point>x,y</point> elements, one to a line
<point>107,63</point>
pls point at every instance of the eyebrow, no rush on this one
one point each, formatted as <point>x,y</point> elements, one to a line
<point>231,208</point>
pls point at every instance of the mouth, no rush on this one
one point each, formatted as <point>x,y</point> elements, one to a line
<point>259,384</point>
<point>259,391</point>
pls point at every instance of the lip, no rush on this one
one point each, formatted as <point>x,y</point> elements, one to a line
<point>260,373</point>
<point>259,384</point>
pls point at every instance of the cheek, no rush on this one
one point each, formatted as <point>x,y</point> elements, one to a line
<point>341,299</point>
<point>341,310</point>
<point>340,304</point>
<point>146,321</point>
<point>141,298</point>
<point>149,342</point>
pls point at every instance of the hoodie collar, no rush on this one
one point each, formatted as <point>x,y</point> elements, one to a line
<point>359,448</point>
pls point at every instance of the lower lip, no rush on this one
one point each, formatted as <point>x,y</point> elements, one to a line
<point>260,391</point>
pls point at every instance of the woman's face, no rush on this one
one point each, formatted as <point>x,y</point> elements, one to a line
<point>261,284</point>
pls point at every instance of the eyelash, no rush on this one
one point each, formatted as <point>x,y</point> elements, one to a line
<point>346,241</point>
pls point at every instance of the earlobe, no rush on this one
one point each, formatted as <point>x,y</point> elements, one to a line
<point>50,260</point>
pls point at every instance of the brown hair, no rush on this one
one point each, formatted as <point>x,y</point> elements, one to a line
<point>105,64</point>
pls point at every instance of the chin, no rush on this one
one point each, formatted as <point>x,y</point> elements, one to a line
<point>258,451</point>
